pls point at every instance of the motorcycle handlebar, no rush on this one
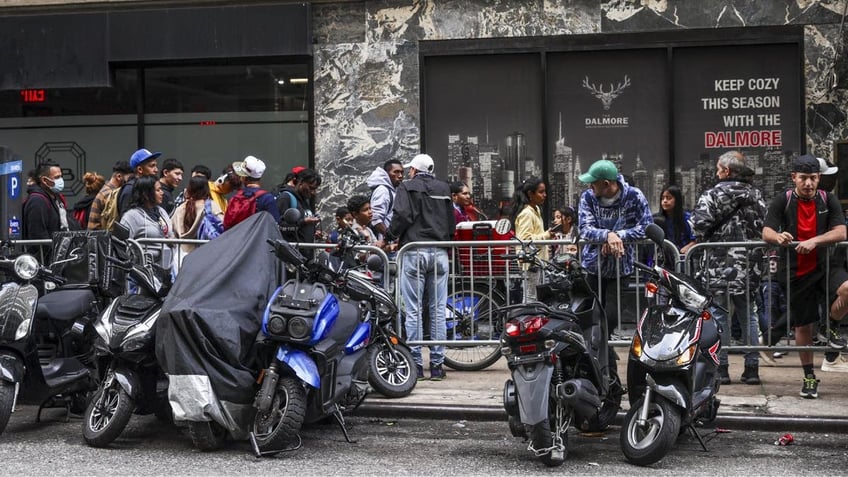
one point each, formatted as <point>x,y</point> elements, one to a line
<point>644,268</point>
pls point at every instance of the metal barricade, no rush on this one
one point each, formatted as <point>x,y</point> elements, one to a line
<point>776,288</point>
<point>480,281</point>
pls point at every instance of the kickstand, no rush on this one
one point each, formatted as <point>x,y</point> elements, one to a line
<point>694,432</point>
<point>341,421</point>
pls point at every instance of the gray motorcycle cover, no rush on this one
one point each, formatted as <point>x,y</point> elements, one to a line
<point>208,325</point>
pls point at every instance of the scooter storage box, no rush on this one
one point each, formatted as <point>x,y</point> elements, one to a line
<point>91,247</point>
<point>476,260</point>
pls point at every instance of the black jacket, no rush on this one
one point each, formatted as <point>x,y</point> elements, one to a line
<point>423,211</point>
<point>40,216</point>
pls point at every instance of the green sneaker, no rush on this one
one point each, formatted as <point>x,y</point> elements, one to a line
<point>810,388</point>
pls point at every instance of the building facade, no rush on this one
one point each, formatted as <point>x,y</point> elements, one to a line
<point>495,91</point>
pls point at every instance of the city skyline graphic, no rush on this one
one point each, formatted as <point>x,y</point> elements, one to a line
<point>493,170</point>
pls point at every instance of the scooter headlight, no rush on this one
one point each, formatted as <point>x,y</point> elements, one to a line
<point>687,355</point>
<point>23,329</point>
<point>26,267</point>
<point>636,346</point>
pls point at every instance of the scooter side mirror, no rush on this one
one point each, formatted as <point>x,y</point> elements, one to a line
<point>120,231</point>
<point>655,234</point>
<point>374,263</point>
<point>291,216</point>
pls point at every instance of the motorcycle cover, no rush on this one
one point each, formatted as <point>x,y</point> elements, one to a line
<point>207,328</point>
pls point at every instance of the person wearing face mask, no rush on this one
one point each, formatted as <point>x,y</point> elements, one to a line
<point>44,211</point>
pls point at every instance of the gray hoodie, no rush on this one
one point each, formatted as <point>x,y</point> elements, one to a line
<point>382,197</point>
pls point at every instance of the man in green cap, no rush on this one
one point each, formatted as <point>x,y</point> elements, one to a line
<point>611,213</point>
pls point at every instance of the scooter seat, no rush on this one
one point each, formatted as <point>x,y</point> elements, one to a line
<point>64,305</point>
<point>62,371</point>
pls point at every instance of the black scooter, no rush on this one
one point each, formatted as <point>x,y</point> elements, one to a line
<point>563,370</point>
<point>39,339</point>
<point>672,369</point>
<point>132,379</point>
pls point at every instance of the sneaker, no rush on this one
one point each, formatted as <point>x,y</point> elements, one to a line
<point>437,373</point>
<point>838,365</point>
<point>723,375</point>
<point>834,339</point>
<point>810,388</point>
<point>779,354</point>
<point>419,369</point>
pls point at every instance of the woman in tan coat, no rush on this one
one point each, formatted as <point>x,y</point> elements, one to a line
<point>188,216</point>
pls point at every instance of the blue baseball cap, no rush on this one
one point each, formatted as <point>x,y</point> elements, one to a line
<point>141,156</point>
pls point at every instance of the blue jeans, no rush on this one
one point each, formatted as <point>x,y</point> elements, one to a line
<point>424,274</point>
<point>742,309</point>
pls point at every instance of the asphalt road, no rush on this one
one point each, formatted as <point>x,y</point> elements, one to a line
<point>384,447</point>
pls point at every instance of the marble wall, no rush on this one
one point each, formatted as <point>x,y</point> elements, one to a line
<point>367,74</point>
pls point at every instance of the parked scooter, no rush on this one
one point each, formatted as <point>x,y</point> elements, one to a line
<point>132,379</point>
<point>563,371</point>
<point>316,351</point>
<point>38,361</point>
<point>672,369</point>
<point>391,367</point>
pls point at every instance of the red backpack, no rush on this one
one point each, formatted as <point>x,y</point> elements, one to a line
<point>79,215</point>
<point>240,207</point>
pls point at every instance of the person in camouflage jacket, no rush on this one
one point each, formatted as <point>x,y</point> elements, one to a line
<point>732,211</point>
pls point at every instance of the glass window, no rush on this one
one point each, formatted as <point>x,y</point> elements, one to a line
<point>227,88</point>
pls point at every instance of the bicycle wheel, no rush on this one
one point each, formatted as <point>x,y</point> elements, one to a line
<point>471,316</point>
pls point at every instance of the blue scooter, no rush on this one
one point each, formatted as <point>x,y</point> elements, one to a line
<point>316,353</point>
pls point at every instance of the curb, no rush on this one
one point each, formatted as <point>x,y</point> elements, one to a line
<point>780,423</point>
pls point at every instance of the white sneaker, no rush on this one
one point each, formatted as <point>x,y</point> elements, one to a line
<point>838,365</point>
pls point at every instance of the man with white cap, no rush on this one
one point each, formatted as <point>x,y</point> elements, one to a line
<point>251,198</point>
<point>423,212</point>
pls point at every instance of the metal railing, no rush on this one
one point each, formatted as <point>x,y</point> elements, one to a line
<point>480,281</point>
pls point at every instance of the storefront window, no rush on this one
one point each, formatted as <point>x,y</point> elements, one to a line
<point>211,115</point>
<point>214,115</point>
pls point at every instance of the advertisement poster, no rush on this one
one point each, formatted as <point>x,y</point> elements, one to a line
<point>484,123</point>
<point>607,105</point>
<point>741,97</point>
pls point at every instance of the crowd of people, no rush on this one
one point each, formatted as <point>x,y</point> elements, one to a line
<point>609,220</point>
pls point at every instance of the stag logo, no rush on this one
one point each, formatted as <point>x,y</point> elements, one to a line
<point>606,97</point>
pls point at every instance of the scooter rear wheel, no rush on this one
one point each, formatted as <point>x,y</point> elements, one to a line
<point>542,438</point>
<point>107,415</point>
<point>207,436</point>
<point>7,398</point>
<point>645,445</point>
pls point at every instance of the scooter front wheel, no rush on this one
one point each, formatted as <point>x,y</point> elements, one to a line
<point>276,428</point>
<point>645,444</point>
<point>107,415</point>
<point>391,370</point>
<point>7,399</point>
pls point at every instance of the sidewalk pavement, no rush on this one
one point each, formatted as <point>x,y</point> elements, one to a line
<point>774,404</point>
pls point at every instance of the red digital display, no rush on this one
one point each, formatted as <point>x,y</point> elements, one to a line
<point>33,96</point>
<point>208,123</point>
